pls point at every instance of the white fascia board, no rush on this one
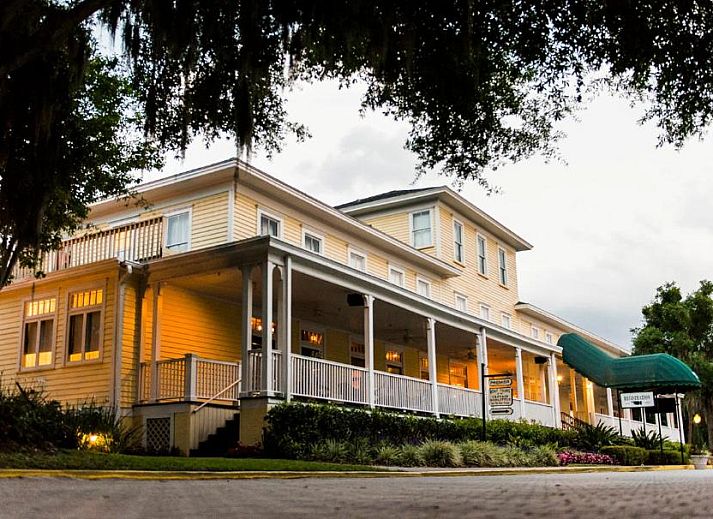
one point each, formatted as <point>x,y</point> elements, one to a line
<point>543,315</point>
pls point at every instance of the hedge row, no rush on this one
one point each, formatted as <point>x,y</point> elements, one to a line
<point>629,455</point>
<point>292,428</point>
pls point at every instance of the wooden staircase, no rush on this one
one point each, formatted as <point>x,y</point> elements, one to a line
<point>218,443</point>
<point>571,422</point>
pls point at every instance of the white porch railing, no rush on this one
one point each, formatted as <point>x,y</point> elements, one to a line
<point>188,378</point>
<point>458,401</point>
<point>254,382</point>
<point>324,379</point>
<point>628,426</point>
<point>400,392</point>
<point>137,242</point>
<point>539,412</point>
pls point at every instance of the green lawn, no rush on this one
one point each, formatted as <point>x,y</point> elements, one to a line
<point>92,461</point>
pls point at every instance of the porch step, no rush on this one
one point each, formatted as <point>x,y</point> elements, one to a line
<point>218,443</point>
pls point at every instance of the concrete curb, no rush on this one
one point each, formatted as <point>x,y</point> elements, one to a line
<point>208,475</point>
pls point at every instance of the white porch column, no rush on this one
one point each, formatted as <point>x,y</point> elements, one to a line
<point>520,381</point>
<point>156,339</point>
<point>246,330</point>
<point>679,419</point>
<point>555,389</point>
<point>610,402</point>
<point>284,337</point>
<point>432,372</point>
<point>267,294</point>
<point>369,346</point>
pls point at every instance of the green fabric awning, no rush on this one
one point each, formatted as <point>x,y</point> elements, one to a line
<point>657,371</point>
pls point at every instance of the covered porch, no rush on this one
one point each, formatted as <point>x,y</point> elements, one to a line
<point>351,339</point>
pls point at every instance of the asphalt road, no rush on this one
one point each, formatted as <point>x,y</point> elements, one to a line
<point>675,494</point>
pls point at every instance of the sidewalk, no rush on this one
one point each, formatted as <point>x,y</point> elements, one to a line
<point>391,472</point>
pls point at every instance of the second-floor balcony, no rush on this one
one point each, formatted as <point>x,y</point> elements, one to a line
<point>136,242</point>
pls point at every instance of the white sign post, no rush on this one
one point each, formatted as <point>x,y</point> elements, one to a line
<point>640,399</point>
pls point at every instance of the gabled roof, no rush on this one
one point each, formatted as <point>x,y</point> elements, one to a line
<point>410,197</point>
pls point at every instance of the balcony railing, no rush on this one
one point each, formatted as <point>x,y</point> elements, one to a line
<point>137,242</point>
<point>190,378</point>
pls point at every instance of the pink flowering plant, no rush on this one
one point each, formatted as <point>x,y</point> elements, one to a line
<point>584,458</point>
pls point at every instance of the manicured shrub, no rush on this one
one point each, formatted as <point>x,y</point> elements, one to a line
<point>593,437</point>
<point>333,451</point>
<point>585,458</point>
<point>291,429</point>
<point>436,453</point>
<point>409,456</point>
<point>480,454</point>
<point>543,456</point>
<point>387,455</point>
<point>667,457</point>
<point>626,455</point>
<point>360,452</point>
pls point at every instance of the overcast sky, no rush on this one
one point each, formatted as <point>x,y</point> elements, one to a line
<point>616,220</point>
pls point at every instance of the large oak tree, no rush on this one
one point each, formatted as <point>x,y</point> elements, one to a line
<point>480,82</point>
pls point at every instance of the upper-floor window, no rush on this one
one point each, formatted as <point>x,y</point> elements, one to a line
<point>458,251</point>
<point>178,231</point>
<point>502,267</point>
<point>85,324</point>
<point>485,312</point>
<point>421,229</point>
<point>535,332</point>
<point>313,243</point>
<point>396,276</point>
<point>482,255</point>
<point>548,338</point>
<point>423,287</point>
<point>506,320</point>
<point>461,302</point>
<point>270,225</point>
<point>38,333</point>
<point>357,260</point>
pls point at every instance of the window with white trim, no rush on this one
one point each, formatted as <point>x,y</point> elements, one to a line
<point>535,332</point>
<point>421,229</point>
<point>313,243</point>
<point>548,338</point>
<point>85,325</point>
<point>461,302</point>
<point>457,374</point>
<point>458,251</point>
<point>396,276</point>
<point>270,225</point>
<point>357,260</point>
<point>485,312</point>
<point>178,231</point>
<point>502,266</point>
<point>394,361</point>
<point>38,333</point>
<point>506,320</point>
<point>482,255</point>
<point>423,369</point>
<point>423,287</point>
<point>311,341</point>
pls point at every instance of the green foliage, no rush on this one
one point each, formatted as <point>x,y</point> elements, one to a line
<point>30,420</point>
<point>648,440</point>
<point>626,455</point>
<point>410,456</point>
<point>440,454</point>
<point>667,457</point>
<point>593,437</point>
<point>292,428</point>
<point>388,455</point>
<point>330,450</point>
<point>544,456</point>
<point>480,454</point>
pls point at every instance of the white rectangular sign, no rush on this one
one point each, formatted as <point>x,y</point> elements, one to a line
<point>500,396</point>
<point>641,399</point>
